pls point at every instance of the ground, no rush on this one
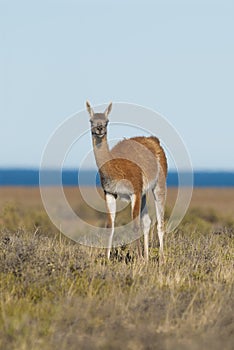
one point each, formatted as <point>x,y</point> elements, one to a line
<point>57,294</point>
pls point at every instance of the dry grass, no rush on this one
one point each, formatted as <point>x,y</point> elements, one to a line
<point>56,294</point>
<point>220,200</point>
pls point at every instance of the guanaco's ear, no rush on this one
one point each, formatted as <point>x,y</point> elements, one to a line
<point>108,110</point>
<point>89,109</point>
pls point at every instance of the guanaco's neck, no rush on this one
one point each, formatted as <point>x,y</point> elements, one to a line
<point>101,150</point>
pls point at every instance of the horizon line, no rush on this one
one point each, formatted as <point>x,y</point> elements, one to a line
<point>74,168</point>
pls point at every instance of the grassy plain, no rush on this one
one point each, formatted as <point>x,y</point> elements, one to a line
<point>56,294</point>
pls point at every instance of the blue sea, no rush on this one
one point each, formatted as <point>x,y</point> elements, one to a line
<point>72,177</point>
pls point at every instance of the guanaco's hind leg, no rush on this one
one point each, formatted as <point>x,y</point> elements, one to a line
<point>111,212</point>
<point>160,199</point>
<point>145,221</point>
<point>136,208</point>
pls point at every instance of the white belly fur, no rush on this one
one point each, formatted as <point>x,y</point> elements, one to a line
<point>124,189</point>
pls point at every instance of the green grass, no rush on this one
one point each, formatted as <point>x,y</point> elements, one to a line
<point>56,294</point>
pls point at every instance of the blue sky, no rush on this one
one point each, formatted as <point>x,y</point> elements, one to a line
<point>176,57</point>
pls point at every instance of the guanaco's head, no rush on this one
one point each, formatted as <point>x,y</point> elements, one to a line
<point>99,121</point>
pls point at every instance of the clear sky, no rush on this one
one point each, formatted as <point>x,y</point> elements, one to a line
<point>174,56</point>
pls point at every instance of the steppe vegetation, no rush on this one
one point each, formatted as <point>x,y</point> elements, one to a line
<point>56,294</point>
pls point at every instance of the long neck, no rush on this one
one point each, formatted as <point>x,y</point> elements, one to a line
<point>101,150</point>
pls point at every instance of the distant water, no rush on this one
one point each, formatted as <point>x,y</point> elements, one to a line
<point>71,177</point>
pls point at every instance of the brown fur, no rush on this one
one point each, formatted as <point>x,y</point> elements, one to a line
<point>152,143</point>
<point>132,158</point>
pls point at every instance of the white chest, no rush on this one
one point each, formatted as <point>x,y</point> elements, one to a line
<point>122,188</point>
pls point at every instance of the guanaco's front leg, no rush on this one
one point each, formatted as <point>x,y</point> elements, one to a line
<point>111,212</point>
